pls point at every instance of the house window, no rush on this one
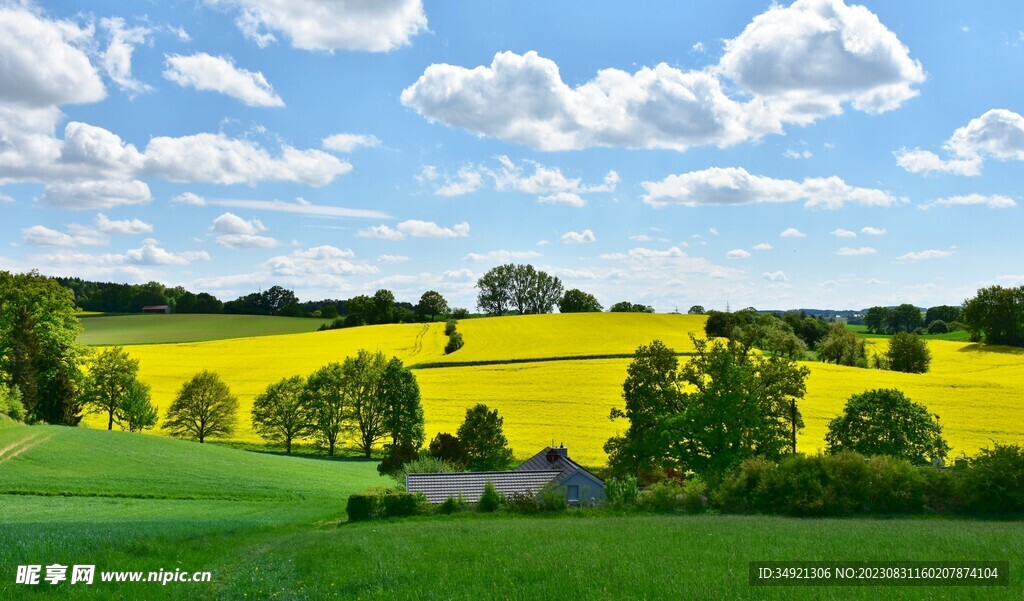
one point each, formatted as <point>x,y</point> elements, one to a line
<point>574,494</point>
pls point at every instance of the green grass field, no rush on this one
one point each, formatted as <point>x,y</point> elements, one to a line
<point>155,329</point>
<point>266,527</point>
<point>957,336</point>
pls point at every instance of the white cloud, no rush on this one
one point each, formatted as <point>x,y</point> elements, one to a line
<point>320,261</point>
<point>350,142</point>
<point>735,186</point>
<point>563,198</point>
<point>229,223</point>
<point>502,256</point>
<point>298,207</point>
<point>151,254</point>
<point>219,74</point>
<point>189,198</point>
<point>246,241</point>
<point>44,62</point>
<point>466,181</point>
<point>584,237</point>
<point>774,276</point>
<point>872,231</point>
<point>522,98</point>
<point>738,253</point>
<point>810,58</point>
<point>665,264</point>
<point>713,231</point>
<point>392,259</point>
<point>416,229</point>
<point>90,194</point>
<point>855,252</point>
<point>998,134</point>
<point>763,246</point>
<point>797,154</point>
<point>217,159</point>
<point>698,48</point>
<point>925,255</point>
<point>641,238</point>
<point>994,201</point>
<point>123,226</point>
<point>117,58</point>
<point>842,233</point>
<point>374,26</point>
<point>39,235</point>
<point>792,232</point>
<point>5,198</point>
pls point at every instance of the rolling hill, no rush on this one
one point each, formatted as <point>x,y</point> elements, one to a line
<point>108,330</point>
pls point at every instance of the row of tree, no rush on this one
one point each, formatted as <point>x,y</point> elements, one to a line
<point>728,404</point>
<point>996,315</point>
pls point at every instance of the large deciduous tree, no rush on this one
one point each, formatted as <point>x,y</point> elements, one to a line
<point>996,315</point>
<point>886,422</point>
<point>725,405</point>
<point>39,352</point>
<point>519,288</point>
<point>842,347</point>
<point>908,353</point>
<point>361,378</point>
<point>578,301</point>
<point>432,304</point>
<point>136,411</point>
<point>111,377</point>
<point>483,438</point>
<point>329,405</point>
<point>203,408</point>
<point>280,413</point>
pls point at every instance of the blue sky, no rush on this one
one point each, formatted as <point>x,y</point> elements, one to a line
<point>814,154</point>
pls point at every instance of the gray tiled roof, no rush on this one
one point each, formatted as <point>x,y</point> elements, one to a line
<point>439,487</point>
<point>565,466</point>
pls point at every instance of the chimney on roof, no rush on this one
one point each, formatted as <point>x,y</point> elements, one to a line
<point>561,450</point>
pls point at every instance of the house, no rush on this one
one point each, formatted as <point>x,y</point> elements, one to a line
<point>156,309</point>
<point>550,467</point>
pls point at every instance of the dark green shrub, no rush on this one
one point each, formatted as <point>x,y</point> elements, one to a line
<point>941,490</point>
<point>994,481</point>
<point>622,492</point>
<point>665,496</point>
<point>552,498</point>
<point>10,402</point>
<point>454,343</point>
<point>747,488</point>
<point>938,327</point>
<point>848,476</point>
<point>449,327</point>
<point>894,486</point>
<point>425,464</point>
<point>799,486</point>
<point>695,496</point>
<point>361,507</point>
<point>396,458</point>
<point>450,449</point>
<point>453,505</point>
<point>403,504</point>
<point>490,500</point>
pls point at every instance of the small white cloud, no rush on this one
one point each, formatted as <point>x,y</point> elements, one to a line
<point>584,237</point>
<point>543,242</point>
<point>219,74</point>
<point>855,252</point>
<point>763,246</point>
<point>124,226</point>
<point>995,201</point>
<point>842,233</point>
<point>641,238</point>
<point>774,276</point>
<point>797,154</point>
<point>229,223</point>
<point>95,194</point>
<point>566,198</point>
<point>39,235</point>
<point>5,198</point>
<point>381,232</point>
<point>189,198</point>
<point>392,259</point>
<point>872,231</point>
<point>416,229</point>
<point>151,254</point>
<point>792,232</point>
<point>350,142</point>
<point>713,231</point>
<point>502,256</point>
<point>998,134</point>
<point>738,253</point>
<point>698,48</point>
<point>925,255</point>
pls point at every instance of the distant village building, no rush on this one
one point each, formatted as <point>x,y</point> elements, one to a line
<point>550,467</point>
<point>156,309</point>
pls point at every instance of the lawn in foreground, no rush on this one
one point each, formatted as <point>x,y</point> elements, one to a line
<point>160,328</point>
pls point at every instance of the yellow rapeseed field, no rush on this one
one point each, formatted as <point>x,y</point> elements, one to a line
<point>977,391</point>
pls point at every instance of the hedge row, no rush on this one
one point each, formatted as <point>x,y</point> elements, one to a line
<point>386,504</point>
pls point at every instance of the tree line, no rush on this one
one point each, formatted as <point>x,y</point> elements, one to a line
<point>526,290</point>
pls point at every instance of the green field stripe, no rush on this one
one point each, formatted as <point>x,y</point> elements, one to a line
<point>485,362</point>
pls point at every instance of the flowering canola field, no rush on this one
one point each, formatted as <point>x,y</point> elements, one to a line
<point>977,391</point>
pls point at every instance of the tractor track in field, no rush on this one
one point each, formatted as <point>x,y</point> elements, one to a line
<point>17,448</point>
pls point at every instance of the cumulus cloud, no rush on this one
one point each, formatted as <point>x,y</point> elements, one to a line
<point>774,276</point>
<point>792,232</point>
<point>738,253</point>
<point>763,246</point>
<point>846,251</point>
<point>122,226</point>
<point>117,58</point>
<point>993,201</point>
<point>219,74</point>
<point>792,65</point>
<point>189,198</point>
<point>319,261</point>
<point>350,142</point>
<point>998,134</point>
<point>584,237</point>
<point>376,26</point>
<point>235,232</point>
<point>925,255</point>
<point>872,231</point>
<point>416,229</point>
<point>502,256</point>
<point>39,235</point>
<point>392,259</point>
<point>151,254</point>
<point>661,264</point>
<point>843,233</point>
<point>736,186</point>
<point>811,57</point>
<point>92,194</point>
<point>44,61</point>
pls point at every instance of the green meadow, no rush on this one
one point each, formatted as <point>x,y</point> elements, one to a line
<point>108,330</point>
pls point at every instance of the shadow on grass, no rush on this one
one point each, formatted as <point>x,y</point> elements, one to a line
<point>343,455</point>
<point>979,347</point>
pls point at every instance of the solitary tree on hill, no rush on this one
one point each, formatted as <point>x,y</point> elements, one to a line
<point>483,439</point>
<point>110,380</point>
<point>204,407</point>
